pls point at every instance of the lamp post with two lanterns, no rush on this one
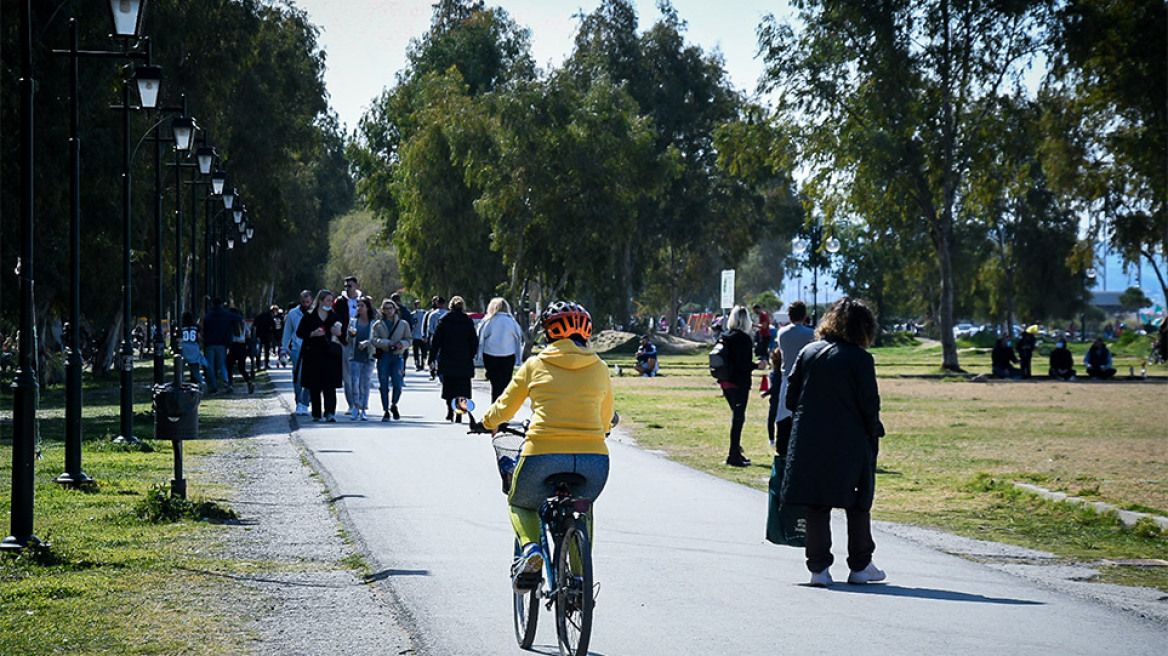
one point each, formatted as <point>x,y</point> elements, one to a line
<point>814,248</point>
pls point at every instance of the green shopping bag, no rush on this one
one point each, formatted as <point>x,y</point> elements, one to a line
<point>785,524</point>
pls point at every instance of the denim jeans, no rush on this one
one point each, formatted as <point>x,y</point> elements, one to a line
<point>389,367</point>
<point>360,374</point>
<point>298,392</point>
<point>217,367</point>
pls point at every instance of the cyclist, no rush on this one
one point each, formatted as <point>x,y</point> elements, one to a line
<point>571,411</point>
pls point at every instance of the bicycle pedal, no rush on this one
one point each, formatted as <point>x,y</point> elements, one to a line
<point>527,581</point>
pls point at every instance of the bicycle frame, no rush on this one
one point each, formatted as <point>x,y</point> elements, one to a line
<point>556,515</point>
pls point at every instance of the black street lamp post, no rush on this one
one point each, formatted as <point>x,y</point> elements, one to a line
<point>148,79</point>
<point>24,387</point>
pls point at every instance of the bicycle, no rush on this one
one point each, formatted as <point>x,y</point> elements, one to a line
<point>567,583</point>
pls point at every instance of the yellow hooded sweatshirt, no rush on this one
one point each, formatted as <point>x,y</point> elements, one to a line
<point>571,401</point>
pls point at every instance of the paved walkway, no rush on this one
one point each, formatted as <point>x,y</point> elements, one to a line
<point>681,560</point>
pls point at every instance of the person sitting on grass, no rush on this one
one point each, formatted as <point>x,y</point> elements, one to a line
<point>646,358</point>
<point>1098,361</point>
<point>1003,359</point>
<point>1062,363</point>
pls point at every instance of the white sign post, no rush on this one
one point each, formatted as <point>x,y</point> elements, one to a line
<point>727,289</point>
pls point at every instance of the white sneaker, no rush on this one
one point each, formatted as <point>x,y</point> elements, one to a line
<point>867,575</point>
<point>301,409</point>
<point>821,579</point>
<point>363,416</point>
<point>525,574</point>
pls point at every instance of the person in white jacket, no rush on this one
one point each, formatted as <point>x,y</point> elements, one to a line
<point>291,345</point>
<point>500,344</point>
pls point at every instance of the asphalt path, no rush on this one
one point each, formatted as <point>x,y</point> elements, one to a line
<point>679,554</point>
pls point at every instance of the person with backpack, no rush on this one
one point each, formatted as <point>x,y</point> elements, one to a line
<point>736,350</point>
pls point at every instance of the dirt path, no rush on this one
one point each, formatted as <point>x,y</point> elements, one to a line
<point>309,594</point>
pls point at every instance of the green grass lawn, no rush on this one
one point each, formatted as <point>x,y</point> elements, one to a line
<point>954,447</point>
<point>112,582</point>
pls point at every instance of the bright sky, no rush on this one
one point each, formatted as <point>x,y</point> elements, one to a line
<point>365,41</point>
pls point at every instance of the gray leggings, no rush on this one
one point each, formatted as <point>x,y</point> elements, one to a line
<point>529,489</point>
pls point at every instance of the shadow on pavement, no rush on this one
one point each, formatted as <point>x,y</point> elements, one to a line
<point>930,593</point>
<point>387,573</point>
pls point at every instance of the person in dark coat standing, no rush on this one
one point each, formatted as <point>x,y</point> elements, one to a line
<point>1027,343</point>
<point>454,346</point>
<point>831,459</point>
<point>736,390</point>
<point>320,355</point>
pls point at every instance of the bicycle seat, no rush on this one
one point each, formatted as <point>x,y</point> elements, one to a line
<point>566,480</point>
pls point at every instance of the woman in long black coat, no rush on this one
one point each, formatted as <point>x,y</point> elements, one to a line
<point>831,457</point>
<point>454,346</point>
<point>320,356</point>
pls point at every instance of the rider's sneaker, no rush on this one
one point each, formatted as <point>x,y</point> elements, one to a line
<point>821,579</point>
<point>869,574</point>
<point>525,574</point>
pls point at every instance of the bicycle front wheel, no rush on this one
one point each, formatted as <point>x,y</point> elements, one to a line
<point>573,594</point>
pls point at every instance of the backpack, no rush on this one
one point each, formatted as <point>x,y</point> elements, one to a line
<point>720,362</point>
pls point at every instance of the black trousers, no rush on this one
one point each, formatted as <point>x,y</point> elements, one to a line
<point>237,358</point>
<point>329,395</point>
<point>736,397</point>
<point>818,548</point>
<point>499,370</point>
<point>420,351</point>
<point>1024,361</point>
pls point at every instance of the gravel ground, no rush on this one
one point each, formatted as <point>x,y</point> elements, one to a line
<point>1045,569</point>
<point>309,593</point>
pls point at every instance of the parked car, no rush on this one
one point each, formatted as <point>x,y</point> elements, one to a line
<point>965,330</point>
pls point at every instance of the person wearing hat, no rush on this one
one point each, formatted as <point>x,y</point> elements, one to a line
<point>1027,342</point>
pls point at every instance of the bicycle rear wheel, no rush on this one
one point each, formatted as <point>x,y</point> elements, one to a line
<point>573,594</point>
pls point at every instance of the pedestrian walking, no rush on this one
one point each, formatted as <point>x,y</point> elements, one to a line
<point>791,339</point>
<point>321,355</point>
<point>264,326</point>
<point>417,332</point>
<point>437,311</point>
<point>391,337</point>
<point>192,352</point>
<point>1027,343</point>
<point>500,344</point>
<point>736,388</point>
<point>238,353</point>
<point>345,307</point>
<point>453,348</point>
<point>291,343</point>
<point>831,461</point>
<point>218,331</point>
<point>361,359</point>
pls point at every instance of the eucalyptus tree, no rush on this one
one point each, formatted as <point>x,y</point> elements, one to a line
<point>885,101</point>
<point>1108,131</point>
<point>404,156</point>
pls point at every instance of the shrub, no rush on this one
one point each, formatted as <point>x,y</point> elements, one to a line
<point>158,507</point>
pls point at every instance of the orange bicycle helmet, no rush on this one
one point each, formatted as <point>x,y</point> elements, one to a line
<point>565,319</point>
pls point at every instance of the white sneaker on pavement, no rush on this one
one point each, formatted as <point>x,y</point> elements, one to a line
<point>821,579</point>
<point>869,574</point>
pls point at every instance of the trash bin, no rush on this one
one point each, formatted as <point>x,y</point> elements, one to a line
<point>176,412</point>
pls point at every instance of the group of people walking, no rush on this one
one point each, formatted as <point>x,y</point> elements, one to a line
<point>342,341</point>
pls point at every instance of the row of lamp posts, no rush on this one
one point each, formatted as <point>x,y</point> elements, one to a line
<point>127,19</point>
